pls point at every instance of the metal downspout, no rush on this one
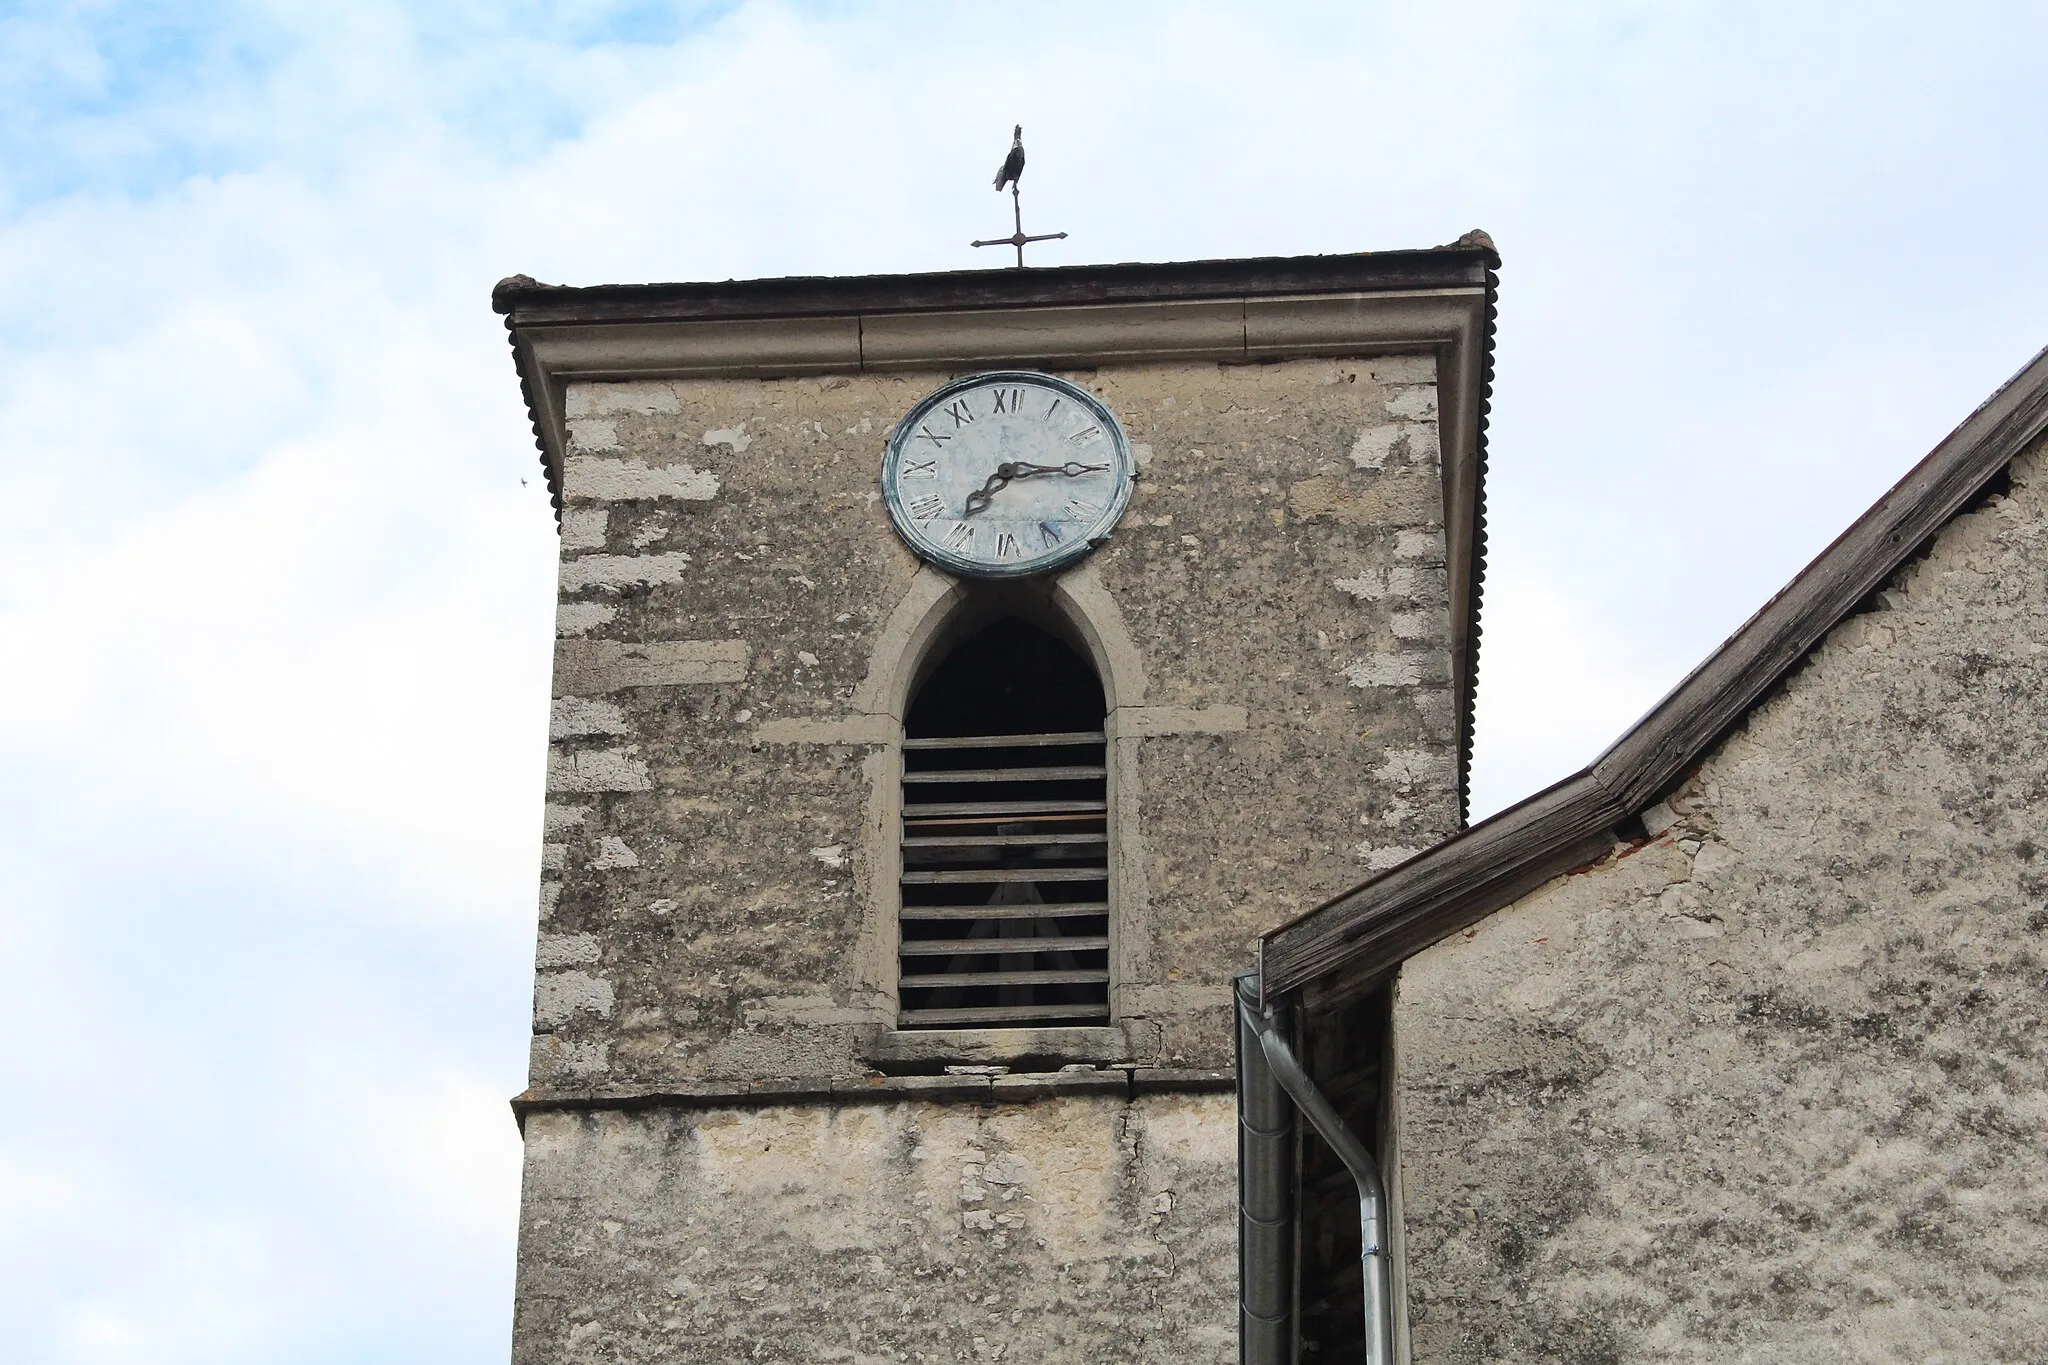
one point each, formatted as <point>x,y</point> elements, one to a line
<point>1265,1203</point>
<point>1365,1172</point>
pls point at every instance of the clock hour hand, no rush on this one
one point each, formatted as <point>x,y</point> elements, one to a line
<point>979,499</point>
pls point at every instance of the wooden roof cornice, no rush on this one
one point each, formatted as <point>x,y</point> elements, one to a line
<point>1367,931</point>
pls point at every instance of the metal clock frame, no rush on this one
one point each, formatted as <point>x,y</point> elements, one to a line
<point>1123,466</point>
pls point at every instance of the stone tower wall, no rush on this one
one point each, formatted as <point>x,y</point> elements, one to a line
<point>731,1153</point>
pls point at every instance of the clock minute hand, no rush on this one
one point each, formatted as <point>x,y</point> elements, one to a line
<point>1072,469</point>
<point>979,500</point>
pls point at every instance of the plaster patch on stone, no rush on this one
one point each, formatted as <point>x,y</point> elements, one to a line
<point>1417,625</point>
<point>557,996</point>
<point>550,894</point>
<point>590,434</point>
<point>1384,670</point>
<point>561,819</point>
<point>1420,584</point>
<point>565,950</point>
<point>570,716</point>
<point>643,396</point>
<point>831,855</point>
<point>554,857</point>
<point>1424,546</point>
<point>1658,818</point>
<point>590,667</point>
<point>1368,587</point>
<point>1142,454</point>
<point>1416,402</point>
<point>635,480</point>
<point>1380,859</point>
<point>583,528</point>
<point>574,618</point>
<point>605,770</point>
<point>612,852</point>
<point>733,438</point>
<point>621,571</point>
<point>652,530</point>
<point>1406,769</point>
<point>1397,443</point>
<point>1403,369</point>
<point>559,1059</point>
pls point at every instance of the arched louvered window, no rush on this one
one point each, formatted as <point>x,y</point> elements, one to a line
<point>1005,906</point>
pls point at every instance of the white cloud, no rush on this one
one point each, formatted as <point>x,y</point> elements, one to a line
<point>275,610</point>
<point>1557,685</point>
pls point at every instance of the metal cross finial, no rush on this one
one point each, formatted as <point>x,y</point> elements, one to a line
<point>1011,173</point>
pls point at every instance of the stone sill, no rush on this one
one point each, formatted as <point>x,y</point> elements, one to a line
<point>1034,1049</point>
<point>1124,1082</point>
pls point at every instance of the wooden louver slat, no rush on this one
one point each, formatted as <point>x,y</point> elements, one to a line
<point>1003,1014</point>
<point>1071,910</point>
<point>1075,738</point>
<point>998,926</point>
<point>1062,774</point>
<point>1004,947</point>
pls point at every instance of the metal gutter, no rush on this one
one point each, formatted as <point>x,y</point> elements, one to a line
<point>1279,1064</point>
<point>1265,1202</point>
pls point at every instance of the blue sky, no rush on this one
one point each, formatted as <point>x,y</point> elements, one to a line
<point>274,605</point>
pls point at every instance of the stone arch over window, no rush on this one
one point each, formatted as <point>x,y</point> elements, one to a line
<point>1004,899</point>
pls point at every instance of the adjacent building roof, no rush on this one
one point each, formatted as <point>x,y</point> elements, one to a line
<point>1439,300</point>
<point>1366,932</point>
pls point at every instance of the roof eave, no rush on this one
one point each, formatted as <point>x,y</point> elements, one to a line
<point>1368,930</point>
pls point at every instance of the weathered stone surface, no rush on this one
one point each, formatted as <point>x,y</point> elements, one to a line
<point>1080,1230</point>
<point>740,630</point>
<point>1772,1087</point>
<point>729,592</point>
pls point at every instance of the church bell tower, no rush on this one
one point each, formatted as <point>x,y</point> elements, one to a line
<point>955,675</point>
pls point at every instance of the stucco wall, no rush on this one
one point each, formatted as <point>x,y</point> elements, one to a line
<point>1772,1087</point>
<point>737,621</point>
<point>1085,1229</point>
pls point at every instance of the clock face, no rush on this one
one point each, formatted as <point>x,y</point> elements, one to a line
<point>1006,473</point>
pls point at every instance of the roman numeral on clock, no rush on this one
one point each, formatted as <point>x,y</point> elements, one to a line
<point>1008,400</point>
<point>1049,534</point>
<point>927,434</point>
<point>960,413</point>
<point>1006,545</point>
<point>925,506</point>
<point>1082,510</point>
<point>1085,435</point>
<point>961,537</point>
<point>919,469</point>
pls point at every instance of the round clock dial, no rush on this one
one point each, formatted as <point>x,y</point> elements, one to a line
<point>1006,473</point>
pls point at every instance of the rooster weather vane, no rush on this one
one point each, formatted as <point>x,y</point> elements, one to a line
<point>1011,173</point>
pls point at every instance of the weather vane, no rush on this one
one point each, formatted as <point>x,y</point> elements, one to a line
<point>1010,174</point>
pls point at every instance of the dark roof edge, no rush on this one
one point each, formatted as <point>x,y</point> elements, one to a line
<point>1465,266</point>
<point>1374,926</point>
<point>1468,697</point>
<point>1463,263</point>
